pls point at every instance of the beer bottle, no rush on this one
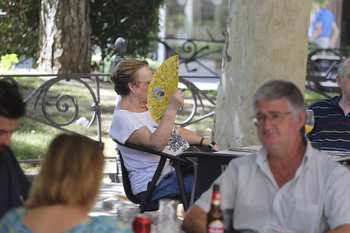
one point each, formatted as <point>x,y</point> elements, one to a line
<point>215,217</point>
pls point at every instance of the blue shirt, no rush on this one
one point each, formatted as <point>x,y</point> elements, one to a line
<point>332,126</point>
<point>13,222</point>
<point>315,200</point>
<point>325,17</point>
<point>14,185</point>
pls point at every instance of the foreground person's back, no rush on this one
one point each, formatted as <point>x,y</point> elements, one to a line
<point>64,191</point>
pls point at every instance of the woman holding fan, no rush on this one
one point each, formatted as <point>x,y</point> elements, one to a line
<point>133,123</point>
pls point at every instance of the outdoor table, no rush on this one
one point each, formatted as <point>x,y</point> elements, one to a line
<point>339,156</point>
<point>211,165</point>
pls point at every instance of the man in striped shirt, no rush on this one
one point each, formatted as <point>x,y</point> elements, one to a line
<point>332,116</point>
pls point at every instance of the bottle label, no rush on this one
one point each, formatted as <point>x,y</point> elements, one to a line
<point>216,198</point>
<point>215,202</point>
<point>216,226</point>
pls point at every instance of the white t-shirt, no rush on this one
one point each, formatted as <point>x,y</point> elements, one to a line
<point>141,165</point>
<point>315,200</point>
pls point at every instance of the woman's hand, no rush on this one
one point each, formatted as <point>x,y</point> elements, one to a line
<point>176,101</point>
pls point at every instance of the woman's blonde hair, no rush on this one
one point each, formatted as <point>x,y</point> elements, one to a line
<point>71,172</point>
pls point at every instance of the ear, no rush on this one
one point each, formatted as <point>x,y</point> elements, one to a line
<point>301,119</point>
<point>131,86</point>
<point>338,81</point>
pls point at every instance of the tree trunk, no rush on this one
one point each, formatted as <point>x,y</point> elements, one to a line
<point>64,36</point>
<point>265,40</point>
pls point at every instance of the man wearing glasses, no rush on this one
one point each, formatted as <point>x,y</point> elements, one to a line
<point>287,186</point>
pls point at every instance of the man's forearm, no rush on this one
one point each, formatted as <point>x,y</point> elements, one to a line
<point>334,36</point>
<point>195,220</point>
<point>317,32</point>
<point>341,229</point>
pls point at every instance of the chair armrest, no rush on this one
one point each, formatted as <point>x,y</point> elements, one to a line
<point>173,158</point>
<point>176,162</point>
<point>187,154</point>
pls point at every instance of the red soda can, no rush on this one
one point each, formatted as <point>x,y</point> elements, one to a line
<point>142,224</point>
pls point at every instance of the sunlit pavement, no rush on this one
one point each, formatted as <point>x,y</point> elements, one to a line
<point>111,195</point>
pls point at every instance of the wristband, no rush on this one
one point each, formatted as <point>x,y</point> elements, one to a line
<point>211,145</point>
<point>200,143</point>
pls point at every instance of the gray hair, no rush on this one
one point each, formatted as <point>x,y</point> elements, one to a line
<point>278,90</point>
<point>341,68</point>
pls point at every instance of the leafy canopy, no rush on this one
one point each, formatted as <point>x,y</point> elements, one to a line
<point>136,21</point>
<point>19,27</point>
<point>7,61</point>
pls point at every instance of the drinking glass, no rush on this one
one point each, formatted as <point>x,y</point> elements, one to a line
<point>126,214</point>
<point>310,121</point>
<point>167,220</point>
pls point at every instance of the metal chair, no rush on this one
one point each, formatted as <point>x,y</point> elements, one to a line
<point>209,167</point>
<point>146,204</point>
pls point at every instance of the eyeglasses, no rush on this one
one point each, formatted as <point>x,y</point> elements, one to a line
<point>143,82</point>
<point>275,118</point>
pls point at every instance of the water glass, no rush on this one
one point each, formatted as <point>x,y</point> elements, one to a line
<point>126,213</point>
<point>167,220</point>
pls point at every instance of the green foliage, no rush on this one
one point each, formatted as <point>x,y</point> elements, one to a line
<point>19,27</point>
<point>323,3</point>
<point>30,144</point>
<point>312,97</point>
<point>7,60</point>
<point>136,21</point>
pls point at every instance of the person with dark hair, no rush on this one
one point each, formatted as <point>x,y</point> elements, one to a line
<point>14,184</point>
<point>332,116</point>
<point>64,191</point>
<point>287,185</point>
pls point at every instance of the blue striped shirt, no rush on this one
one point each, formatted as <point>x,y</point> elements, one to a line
<point>332,126</point>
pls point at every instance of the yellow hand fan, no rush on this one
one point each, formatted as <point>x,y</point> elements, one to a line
<point>162,86</point>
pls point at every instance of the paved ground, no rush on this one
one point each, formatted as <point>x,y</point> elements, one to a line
<point>111,195</point>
